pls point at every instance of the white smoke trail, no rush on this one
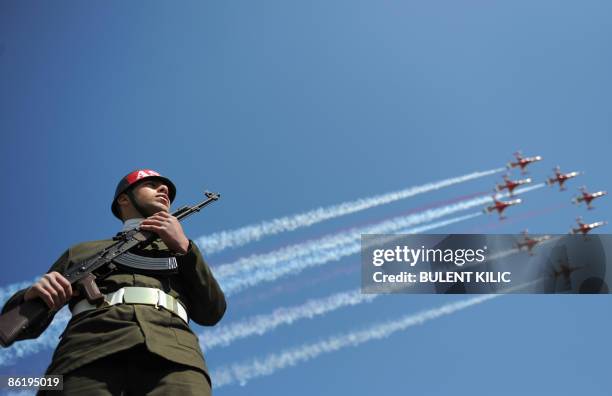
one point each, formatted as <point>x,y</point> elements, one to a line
<point>233,238</point>
<point>243,372</point>
<point>306,249</point>
<point>258,367</point>
<point>261,324</point>
<point>235,284</point>
<point>252,270</point>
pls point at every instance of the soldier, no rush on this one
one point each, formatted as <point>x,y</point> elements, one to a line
<point>139,342</point>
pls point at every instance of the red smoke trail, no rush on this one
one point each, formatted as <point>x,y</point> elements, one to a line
<point>482,229</point>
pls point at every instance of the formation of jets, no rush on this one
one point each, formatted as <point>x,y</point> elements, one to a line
<point>528,243</point>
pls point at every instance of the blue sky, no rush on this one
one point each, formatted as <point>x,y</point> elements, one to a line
<point>285,106</point>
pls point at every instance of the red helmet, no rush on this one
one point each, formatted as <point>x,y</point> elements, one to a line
<point>133,178</point>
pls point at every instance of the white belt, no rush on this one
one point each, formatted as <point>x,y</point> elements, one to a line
<point>137,295</point>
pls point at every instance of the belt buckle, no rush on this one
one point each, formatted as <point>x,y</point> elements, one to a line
<point>140,295</point>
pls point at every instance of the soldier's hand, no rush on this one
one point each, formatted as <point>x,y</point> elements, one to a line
<point>53,288</point>
<point>169,230</point>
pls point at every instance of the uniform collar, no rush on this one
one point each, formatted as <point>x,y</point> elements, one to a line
<point>130,224</point>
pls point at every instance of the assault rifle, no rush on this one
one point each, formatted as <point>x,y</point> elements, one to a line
<point>84,275</point>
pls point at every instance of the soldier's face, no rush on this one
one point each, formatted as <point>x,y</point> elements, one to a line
<point>152,195</point>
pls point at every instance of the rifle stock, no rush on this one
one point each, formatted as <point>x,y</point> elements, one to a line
<point>20,318</point>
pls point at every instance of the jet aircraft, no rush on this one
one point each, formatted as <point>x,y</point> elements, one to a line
<point>587,197</point>
<point>522,162</point>
<point>500,206</point>
<point>561,178</point>
<point>510,185</point>
<point>584,228</point>
<point>530,242</point>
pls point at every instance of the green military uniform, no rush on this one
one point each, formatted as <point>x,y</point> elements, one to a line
<point>102,334</point>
